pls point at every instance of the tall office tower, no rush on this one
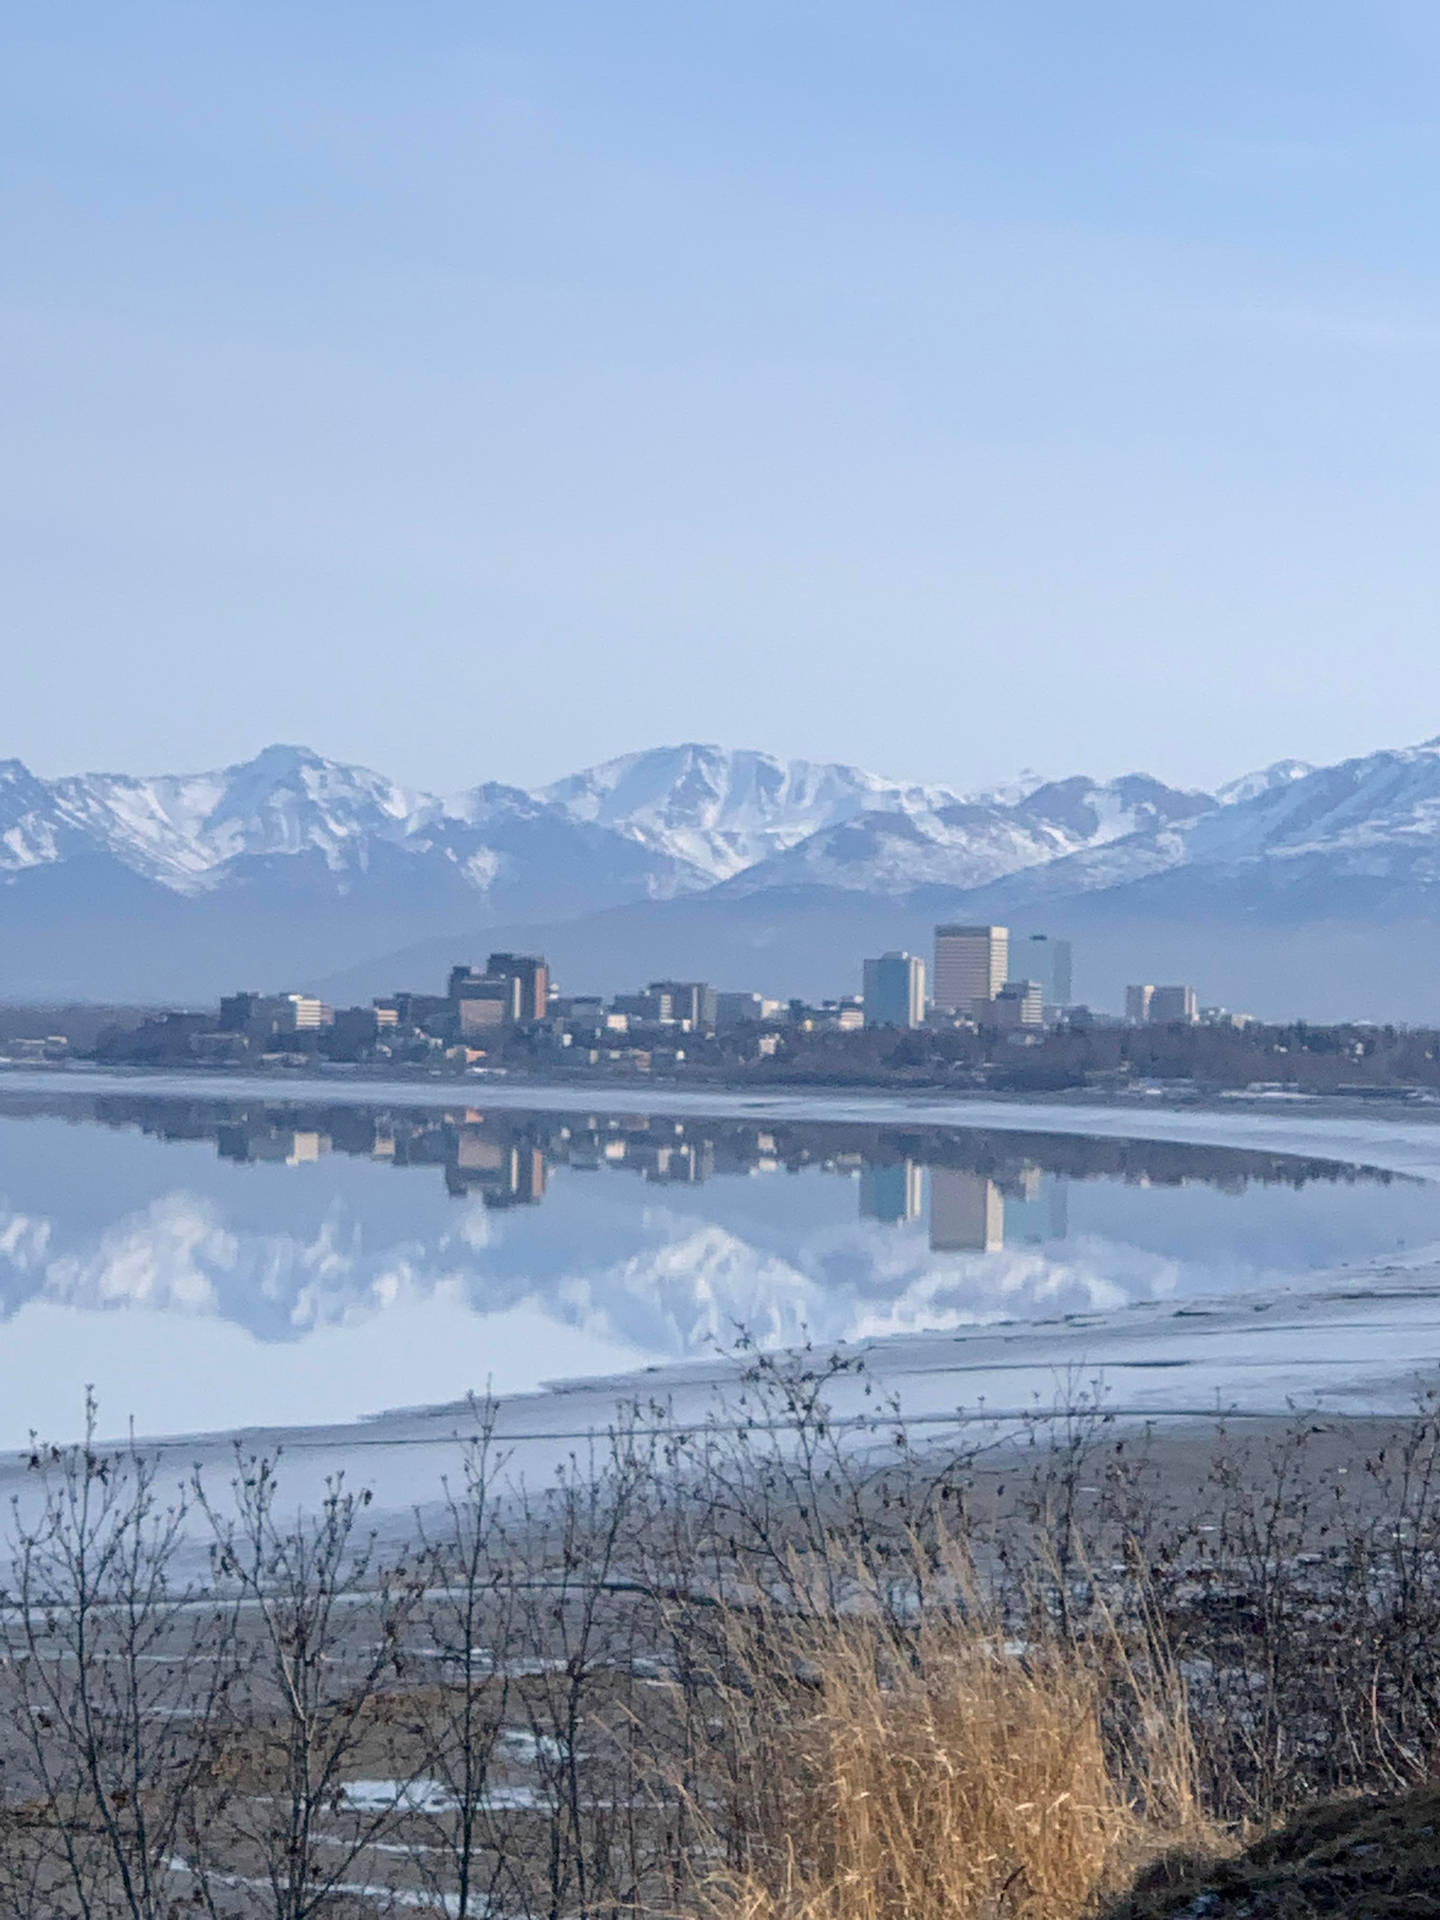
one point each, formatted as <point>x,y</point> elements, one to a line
<point>895,990</point>
<point>1040,956</point>
<point>892,1193</point>
<point>971,963</point>
<point>967,1212</point>
<point>531,977</point>
<point>1137,1004</point>
<point>1168,1004</point>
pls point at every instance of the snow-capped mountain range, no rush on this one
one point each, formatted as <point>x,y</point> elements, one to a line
<point>700,814</point>
<point>291,866</point>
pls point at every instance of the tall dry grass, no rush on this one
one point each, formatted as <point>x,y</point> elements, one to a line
<point>884,1770</point>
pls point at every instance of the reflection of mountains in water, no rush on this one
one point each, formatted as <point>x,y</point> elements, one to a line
<point>662,1280</point>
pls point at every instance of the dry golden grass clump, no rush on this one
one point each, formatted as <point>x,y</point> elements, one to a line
<point>889,1773</point>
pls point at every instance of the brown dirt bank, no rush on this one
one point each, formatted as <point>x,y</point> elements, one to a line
<point>1365,1859</point>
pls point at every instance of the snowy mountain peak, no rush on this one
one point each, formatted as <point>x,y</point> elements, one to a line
<point>1281,773</point>
<point>937,839</point>
<point>1009,793</point>
<point>723,810</point>
<point>181,829</point>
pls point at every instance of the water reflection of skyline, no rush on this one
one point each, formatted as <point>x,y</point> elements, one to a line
<point>183,1252</point>
<point>977,1192</point>
<point>969,1212</point>
<point>507,1157</point>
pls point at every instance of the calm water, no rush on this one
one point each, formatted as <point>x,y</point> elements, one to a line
<point>212,1263</point>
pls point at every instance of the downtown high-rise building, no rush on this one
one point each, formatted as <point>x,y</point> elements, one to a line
<point>971,964</point>
<point>895,990</point>
<point>1043,958</point>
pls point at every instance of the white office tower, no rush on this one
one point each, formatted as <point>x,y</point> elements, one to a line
<point>971,964</point>
<point>895,990</point>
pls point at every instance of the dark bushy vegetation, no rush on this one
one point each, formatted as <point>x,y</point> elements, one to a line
<point>1309,1058</point>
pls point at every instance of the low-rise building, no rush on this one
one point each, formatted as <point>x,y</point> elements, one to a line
<point>744,1009</point>
<point>1172,1005</point>
<point>484,1006</point>
<point>692,1002</point>
<point>1137,1004</point>
<point>1019,1004</point>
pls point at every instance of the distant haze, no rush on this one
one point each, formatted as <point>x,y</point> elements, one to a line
<point>482,392</point>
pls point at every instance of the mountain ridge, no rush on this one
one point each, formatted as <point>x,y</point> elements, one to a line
<point>703,813</point>
<point>290,868</point>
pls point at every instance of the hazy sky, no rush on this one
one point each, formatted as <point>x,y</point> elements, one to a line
<point>478,391</point>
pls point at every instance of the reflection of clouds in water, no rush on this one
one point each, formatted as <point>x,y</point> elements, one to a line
<point>688,1287</point>
<point>24,1241</point>
<point>177,1255</point>
<point>692,1292</point>
<point>964,1290</point>
<point>168,1256</point>
<point>698,1285</point>
<point>476,1230</point>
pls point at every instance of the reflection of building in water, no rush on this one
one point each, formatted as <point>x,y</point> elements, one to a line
<point>507,1158</point>
<point>892,1193</point>
<point>970,1213</point>
<point>506,1173</point>
<point>967,1212</point>
<point>275,1146</point>
<point>1036,1209</point>
<point>687,1162</point>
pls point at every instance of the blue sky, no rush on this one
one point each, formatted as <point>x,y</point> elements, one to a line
<point>477,392</point>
